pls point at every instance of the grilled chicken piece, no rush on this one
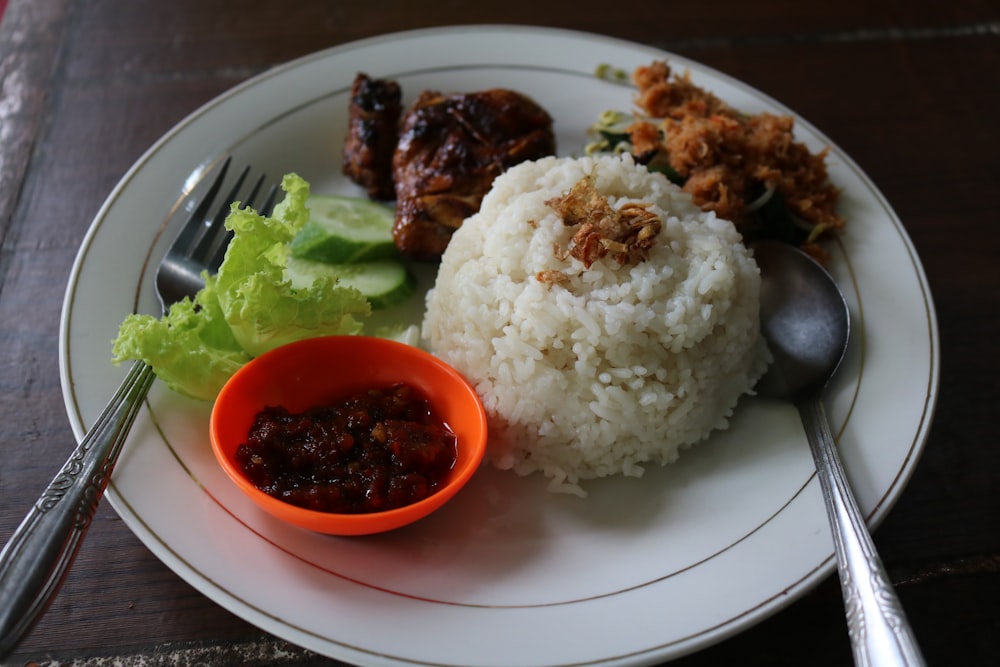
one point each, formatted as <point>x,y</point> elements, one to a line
<point>450,149</point>
<point>373,118</point>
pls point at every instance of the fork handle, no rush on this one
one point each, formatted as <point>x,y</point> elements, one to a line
<point>35,561</point>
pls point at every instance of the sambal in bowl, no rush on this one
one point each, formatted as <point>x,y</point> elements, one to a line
<point>348,435</point>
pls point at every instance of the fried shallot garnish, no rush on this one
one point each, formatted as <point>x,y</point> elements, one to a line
<point>626,233</point>
<point>552,277</point>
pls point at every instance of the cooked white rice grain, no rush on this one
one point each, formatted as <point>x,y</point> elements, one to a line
<point>615,366</point>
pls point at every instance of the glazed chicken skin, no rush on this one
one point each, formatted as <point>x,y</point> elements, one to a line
<point>450,149</point>
<point>373,118</point>
<point>439,159</point>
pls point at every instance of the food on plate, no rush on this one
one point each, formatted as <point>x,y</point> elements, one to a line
<point>349,240</point>
<point>451,147</point>
<point>600,228</point>
<point>745,168</point>
<point>343,230</point>
<point>605,319</point>
<point>383,282</point>
<point>448,148</point>
<point>373,116</point>
<point>251,305</point>
<point>371,451</point>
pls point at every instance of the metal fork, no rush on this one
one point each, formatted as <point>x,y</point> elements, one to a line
<point>37,557</point>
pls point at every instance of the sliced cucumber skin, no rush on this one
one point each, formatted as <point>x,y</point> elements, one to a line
<point>317,244</point>
<point>345,230</point>
<point>385,283</point>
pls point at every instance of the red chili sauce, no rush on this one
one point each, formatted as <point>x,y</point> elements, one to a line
<point>375,450</point>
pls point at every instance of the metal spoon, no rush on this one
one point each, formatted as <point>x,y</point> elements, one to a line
<point>806,323</point>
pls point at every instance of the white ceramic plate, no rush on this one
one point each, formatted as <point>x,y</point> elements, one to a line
<point>641,571</point>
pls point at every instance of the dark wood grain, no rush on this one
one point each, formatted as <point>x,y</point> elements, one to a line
<point>910,90</point>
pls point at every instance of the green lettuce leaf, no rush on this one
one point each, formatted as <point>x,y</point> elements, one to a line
<point>192,349</point>
<point>248,308</point>
<point>260,304</point>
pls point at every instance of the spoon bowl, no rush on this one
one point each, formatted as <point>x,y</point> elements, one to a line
<point>803,317</point>
<point>807,325</point>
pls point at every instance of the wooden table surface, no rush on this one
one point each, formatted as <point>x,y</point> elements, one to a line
<point>910,89</point>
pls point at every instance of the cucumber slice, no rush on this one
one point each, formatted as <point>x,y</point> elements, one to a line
<point>344,230</point>
<point>384,282</point>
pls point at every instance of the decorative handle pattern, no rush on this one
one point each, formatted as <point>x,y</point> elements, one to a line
<point>35,561</point>
<point>879,631</point>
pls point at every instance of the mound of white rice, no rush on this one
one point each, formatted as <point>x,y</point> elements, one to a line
<point>613,366</point>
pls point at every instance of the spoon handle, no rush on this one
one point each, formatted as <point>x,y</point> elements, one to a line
<point>879,631</point>
<point>40,552</point>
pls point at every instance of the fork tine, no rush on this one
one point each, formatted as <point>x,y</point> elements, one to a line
<point>254,191</point>
<point>211,247</point>
<point>189,232</point>
<point>206,246</point>
<point>214,246</point>
<point>268,206</point>
<point>202,242</point>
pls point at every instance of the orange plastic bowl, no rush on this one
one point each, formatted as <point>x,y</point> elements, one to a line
<point>320,370</point>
